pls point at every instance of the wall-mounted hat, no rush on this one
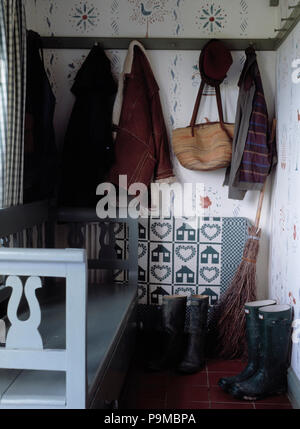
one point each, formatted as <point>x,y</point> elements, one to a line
<point>215,61</point>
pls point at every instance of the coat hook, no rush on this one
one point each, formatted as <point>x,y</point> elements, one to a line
<point>252,45</point>
<point>287,19</point>
<point>280,29</point>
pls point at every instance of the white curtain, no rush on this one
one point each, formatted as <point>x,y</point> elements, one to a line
<point>12,100</point>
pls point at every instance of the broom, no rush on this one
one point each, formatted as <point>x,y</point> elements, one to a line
<point>231,325</point>
<point>232,322</point>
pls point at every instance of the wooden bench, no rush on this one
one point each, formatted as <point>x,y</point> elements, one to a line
<point>70,349</point>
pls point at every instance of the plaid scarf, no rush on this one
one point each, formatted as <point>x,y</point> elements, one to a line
<point>257,157</point>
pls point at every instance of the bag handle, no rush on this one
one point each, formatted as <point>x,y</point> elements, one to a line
<point>197,105</point>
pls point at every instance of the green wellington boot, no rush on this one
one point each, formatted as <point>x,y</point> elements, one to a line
<point>194,359</point>
<point>253,339</point>
<point>271,377</point>
<point>172,333</point>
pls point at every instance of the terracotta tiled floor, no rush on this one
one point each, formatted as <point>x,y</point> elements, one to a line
<point>168,390</point>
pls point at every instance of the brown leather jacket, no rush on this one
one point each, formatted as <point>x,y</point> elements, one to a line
<point>141,145</point>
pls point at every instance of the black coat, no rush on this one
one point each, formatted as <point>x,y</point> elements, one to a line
<point>40,152</point>
<point>88,148</point>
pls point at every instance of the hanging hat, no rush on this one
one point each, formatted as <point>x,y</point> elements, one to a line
<point>215,61</point>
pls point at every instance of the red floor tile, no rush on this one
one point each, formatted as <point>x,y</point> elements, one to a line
<point>216,394</point>
<point>198,379</point>
<point>168,390</point>
<point>188,393</point>
<point>214,377</point>
<point>232,406</point>
<point>225,366</point>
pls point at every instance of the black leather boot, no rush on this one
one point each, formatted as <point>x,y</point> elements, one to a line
<point>253,340</point>
<point>271,376</point>
<point>172,333</point>
<point>194,358</point>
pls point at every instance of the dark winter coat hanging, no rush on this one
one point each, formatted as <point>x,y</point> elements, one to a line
<point>252,153</point>
<point>88,147</point>
<point>40,152</point>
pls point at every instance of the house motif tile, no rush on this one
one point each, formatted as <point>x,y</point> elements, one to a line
<point>161,254</point>
<point>156,294</point>
<point>210,256</point>
<point>185,275</point>
<point>212,292</point>
<point>185,233</point>
<point>142,275</point>
<point>142,231</point>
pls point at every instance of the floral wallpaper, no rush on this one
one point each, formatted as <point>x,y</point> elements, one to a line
<point>142,18</point>
<point>285,244</point>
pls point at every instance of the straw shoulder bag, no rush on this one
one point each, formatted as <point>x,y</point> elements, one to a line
<point>205,146</point>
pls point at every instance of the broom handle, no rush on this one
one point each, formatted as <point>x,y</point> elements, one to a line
<point>259,207</point>
<point>262,193</point>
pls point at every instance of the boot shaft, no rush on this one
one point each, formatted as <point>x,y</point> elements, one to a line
<point>275,332</point>
<point>198,314</point>
<point>253,326</point>
<point>173,313</point>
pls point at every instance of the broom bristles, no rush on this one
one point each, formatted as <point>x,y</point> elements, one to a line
<point>231,325</point>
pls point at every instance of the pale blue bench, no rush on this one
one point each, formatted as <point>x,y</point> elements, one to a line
<point>75,348</point>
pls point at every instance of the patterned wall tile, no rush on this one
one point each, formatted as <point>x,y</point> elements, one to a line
<point>157,292</point>
<point>159,18</point>
<point>178,260</point>
<point>213,292</point>
<point>161,230</point>
<point>211,18</point>
<point>83,16</point>
<point>147,13</point>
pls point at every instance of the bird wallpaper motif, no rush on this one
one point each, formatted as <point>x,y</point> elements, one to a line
<point>154,18</point>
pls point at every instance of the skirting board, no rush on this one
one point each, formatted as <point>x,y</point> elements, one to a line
<point>294,389</point>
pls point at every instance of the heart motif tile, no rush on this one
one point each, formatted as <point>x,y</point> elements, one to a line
<point>118,228</point>
<point>185,290</point>
<point>142,250</point>
<point>211,231</point>
<point>185,253</point>
<point>161,273</point>
<point>209,274</point>
<point>161,230</point>
<point>142,291</point>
